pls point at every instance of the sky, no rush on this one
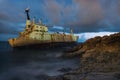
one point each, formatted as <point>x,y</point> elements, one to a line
<point>83,16</point>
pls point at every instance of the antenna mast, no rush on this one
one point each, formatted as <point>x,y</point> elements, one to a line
<point>27,13</point>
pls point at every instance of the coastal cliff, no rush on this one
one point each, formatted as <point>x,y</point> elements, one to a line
<point>99,56</point>
<point>99,51</point>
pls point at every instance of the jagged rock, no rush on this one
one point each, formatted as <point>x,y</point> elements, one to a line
<point>99,53</point>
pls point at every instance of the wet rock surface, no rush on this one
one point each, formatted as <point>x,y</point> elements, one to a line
<point>99,53</point>
<point>99,59</point>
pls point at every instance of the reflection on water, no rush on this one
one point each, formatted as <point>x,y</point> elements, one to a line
<point>29,63</point>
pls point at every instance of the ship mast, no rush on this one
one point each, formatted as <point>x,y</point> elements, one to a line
<point>28,18</point>
<point>71,31</point>
<point>40,21</point>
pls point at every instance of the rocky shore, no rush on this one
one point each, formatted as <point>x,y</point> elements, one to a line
<point>99,53</point>
<point>99,59</point>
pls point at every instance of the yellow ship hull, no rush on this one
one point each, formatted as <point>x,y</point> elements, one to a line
<point>23,41</point>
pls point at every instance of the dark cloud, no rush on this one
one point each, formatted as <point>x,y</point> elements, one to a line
<point>3,16</point>
<point>80,15</point>
<point>85,15</point>
<point>7,28</point>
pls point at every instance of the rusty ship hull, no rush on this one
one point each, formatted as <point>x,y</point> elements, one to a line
<point>44,44</point>
<point>23,42</point>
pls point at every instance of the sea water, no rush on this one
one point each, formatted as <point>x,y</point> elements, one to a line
<point>26,64</point>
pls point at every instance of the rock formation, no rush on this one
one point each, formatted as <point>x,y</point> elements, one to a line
<point>99,53</point>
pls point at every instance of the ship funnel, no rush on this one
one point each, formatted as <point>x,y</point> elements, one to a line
<point>27,13</point>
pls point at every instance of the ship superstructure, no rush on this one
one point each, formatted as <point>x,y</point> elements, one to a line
<point>37,34</point>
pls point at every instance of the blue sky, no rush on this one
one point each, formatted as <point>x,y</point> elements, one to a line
<point>83,16</point>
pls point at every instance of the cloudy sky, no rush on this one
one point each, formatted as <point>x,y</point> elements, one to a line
<point>83,16</point>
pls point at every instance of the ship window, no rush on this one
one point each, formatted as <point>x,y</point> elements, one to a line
<point>28,26</point>
<point>37,30</point>
<point>40,30</point>
<point>37,26</point>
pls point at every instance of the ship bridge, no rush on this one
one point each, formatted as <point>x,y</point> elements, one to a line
<point>40,28</point>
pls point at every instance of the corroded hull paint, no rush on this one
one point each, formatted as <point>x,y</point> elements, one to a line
<point>24,41</point>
